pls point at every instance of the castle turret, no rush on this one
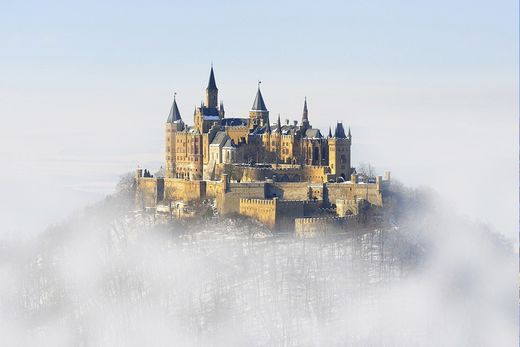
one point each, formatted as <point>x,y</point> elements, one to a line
<point>339,152</point>
<point>174,124</point>
<point>259,115</point>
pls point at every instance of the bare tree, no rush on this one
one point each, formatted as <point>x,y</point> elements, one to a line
<point>366,170</point>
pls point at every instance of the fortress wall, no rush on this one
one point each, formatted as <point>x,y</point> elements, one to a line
<point>315,174</point>
<point>308,227</point>
<point>214,188</point>
<point>274,213</point>
<point>252,174</point>
<point>312,207</point>
<point>347,207</point>
<point>260,209</point>
<point>350,191</point>
<point>286,212</point>
<point>288,190</point>
<point>146,192</point>
<point>229,202</point>
<point>179,189</point>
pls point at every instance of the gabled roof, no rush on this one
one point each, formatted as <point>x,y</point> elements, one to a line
<point>220,138</point>
<point>234,122</point>
<point>174,114</point>
<point>289,129</point>
<point>211,83</point>
<point>259,104</point>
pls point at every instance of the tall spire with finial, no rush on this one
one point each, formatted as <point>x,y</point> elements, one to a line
<point>305,116</point>
<point>330,132</point>
<point>212,84</point>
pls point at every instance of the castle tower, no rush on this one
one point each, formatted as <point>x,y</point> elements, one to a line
<point>339,152</point>
<point>174,124</point>
<point>208,113</point>
<point>211,91</point>
<point>258,115</point>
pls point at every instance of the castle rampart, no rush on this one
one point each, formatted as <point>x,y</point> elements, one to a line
<point>309,227</point>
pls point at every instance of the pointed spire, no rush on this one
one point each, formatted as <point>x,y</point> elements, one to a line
<point>268,130</point>
<point>305,116</point>
<point>339,132</point>
<point>174,114</point>
<point>278,125</point>
<point>221,110</point>
<point>258,104</point>
<point>330,132</point>
<point>211,83</point>
<point>349,136</point>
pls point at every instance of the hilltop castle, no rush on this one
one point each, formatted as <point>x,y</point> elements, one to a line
<point>201,151</point>
<point>287,175</point>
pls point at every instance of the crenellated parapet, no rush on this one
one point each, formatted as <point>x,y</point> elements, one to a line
<point>313,226</point>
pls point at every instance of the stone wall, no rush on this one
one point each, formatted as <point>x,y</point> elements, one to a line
<point>214,188</point>
<point>179,189</point>
<point>286,212</point>
<point>274,213</point>
<point>146,192</point>
<point>288,190</point>
<point>310,227</point>
<point>260,209</point>
<point>287,173</point>
<point>229,202</point>
<point>353,191</point>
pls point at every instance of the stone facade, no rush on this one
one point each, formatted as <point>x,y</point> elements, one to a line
<point>190,151</point>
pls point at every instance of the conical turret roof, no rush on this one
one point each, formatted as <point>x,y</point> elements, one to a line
<point>259,104</point>
<point>174,114</point>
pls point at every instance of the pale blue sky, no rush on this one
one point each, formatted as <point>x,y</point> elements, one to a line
<point>85,88</point>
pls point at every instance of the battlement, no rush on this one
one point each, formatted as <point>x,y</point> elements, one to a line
<point>313,220</point>
<point>258,202</point>
<point>313,226</point>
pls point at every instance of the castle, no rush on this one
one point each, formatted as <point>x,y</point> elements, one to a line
<point>278,173</point>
